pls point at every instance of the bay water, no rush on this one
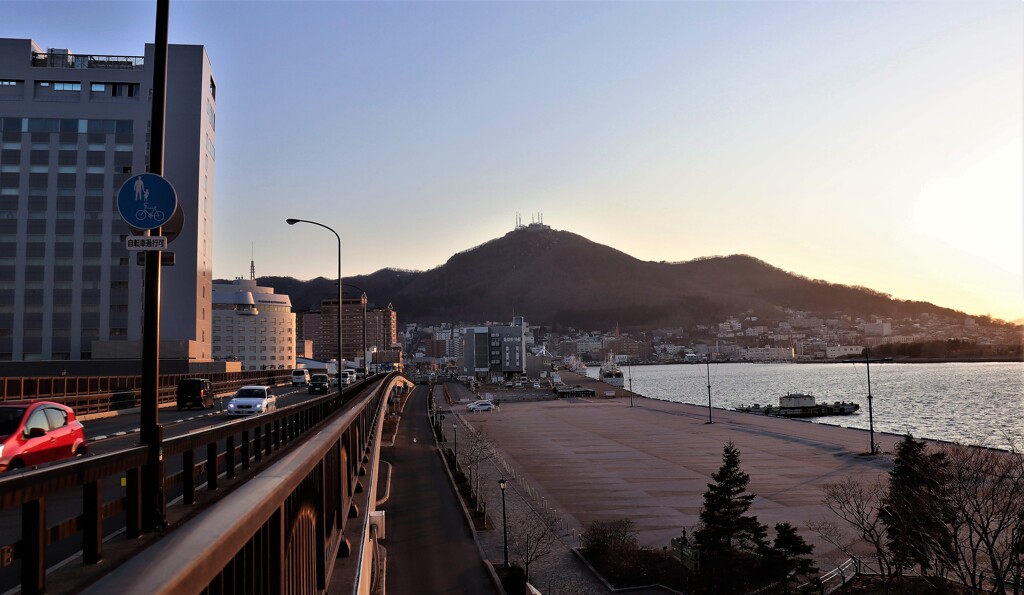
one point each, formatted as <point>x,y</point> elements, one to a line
<point>970,403</point>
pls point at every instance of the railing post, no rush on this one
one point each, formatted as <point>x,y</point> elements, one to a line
<point>321,527</point>
<point>33,540</point>
<point>133,512</point>
<point>92,523</point>
<point>277,552</point>
<point>211,466</point>
<point>229,456</point>
<point>188,477</point>
<point>257,447</point>
<point>245,449</point>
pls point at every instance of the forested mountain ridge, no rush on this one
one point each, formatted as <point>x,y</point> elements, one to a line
<point>558,277</point>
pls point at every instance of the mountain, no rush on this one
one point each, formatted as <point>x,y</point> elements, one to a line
<point>558,277</point>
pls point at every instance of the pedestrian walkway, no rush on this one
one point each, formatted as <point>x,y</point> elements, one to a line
<point>430,548</point>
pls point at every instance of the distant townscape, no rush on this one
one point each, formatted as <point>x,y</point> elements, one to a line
<point>582,299</point>
<point>792,336</point>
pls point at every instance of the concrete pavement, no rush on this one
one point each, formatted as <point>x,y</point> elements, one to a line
<point>604,460</point>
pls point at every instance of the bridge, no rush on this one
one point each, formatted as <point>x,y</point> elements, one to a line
<point>283,502</point>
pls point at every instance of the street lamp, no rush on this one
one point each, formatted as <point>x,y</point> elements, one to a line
<point>455,430</point>
<point>707,362</point>
<point>871,416</point>
<point>293,222</point>
<point>504,518</point>
<point>629,367</point>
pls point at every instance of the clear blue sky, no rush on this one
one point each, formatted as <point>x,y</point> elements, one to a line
<point>868,143</point>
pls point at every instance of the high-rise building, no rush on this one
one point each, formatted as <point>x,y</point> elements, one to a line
<point>73,128</point>
<point>353,327</point>
<point>381,327</point>
<point>253,325</point>
<point>360,325</point>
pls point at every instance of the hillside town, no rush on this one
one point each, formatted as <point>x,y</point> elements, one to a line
<point>792,337</point>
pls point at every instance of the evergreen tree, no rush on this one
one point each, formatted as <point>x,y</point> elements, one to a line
<point>910,525</point>
<point>788,558</point>
<point>728,538</point>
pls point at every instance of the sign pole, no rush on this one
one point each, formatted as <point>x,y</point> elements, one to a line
<point>154,501</point>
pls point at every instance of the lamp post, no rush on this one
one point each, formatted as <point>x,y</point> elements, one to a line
<point>293,222</point>
<point>504,518</point>
<point>871,416</point>
<point>707,362</point>
<point>455,441</point>
<point>629,368</point>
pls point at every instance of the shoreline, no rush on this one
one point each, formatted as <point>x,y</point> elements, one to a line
<point>919,360</point>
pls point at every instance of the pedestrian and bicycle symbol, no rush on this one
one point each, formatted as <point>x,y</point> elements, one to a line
<point>146,201</point>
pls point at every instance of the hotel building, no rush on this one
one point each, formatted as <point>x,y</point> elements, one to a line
<point>253,325</point>
<point>73,128</point>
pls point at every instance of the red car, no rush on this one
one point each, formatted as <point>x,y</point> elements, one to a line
<point>36,432</point>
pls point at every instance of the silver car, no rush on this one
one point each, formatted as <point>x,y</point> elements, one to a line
<point>251,400</point>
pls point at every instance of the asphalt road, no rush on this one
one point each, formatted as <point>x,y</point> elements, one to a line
<point>430,547</point>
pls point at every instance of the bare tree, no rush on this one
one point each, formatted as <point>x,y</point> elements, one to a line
<point>858,504</point>
<point>532,534</point>
<point>479,449</point>
<point>981,506</point>
<point>973,502</point>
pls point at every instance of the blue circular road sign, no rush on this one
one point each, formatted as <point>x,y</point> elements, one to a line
<point>146,201</point>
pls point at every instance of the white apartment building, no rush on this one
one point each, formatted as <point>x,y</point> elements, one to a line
<point>73,128</point>
<point>253,325</point>
<point>769,354</point>
<point>877,329</point>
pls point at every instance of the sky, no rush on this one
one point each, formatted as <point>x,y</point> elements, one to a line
<point>865,143</point>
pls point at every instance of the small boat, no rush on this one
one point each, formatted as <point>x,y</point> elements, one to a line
<point>611,374</point>
<point>801,405</point>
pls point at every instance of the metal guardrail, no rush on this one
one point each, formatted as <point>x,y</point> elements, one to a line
<point>67,60</point>
<point>282,531</point>
<point>225,452</point>
<point>98,394</point>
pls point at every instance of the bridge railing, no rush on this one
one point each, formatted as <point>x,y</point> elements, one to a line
<point>96,394</point>
<point>285,530</point>
<point>197,469</point>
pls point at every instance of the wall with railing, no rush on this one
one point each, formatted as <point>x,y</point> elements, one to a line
<point>303,501</point>
<point>96,394</point>
<point>307,523</point>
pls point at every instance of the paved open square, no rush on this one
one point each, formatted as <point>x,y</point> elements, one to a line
<point>603,459</point>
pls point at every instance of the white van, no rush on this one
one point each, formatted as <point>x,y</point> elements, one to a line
<point>300,377</point>
<point>348,377</point>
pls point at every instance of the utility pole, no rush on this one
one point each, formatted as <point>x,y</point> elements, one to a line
<point>154,503</point>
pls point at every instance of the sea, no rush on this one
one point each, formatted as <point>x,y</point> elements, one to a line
<point>969,403</point>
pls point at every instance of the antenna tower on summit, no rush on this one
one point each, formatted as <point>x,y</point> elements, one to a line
<point>252,263</point>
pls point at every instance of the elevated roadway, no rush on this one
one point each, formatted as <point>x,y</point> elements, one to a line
<point>327,444</point>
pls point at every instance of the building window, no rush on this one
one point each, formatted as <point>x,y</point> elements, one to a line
<point>58,86</point>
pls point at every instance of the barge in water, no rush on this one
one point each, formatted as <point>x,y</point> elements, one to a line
<point>801,405</point>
